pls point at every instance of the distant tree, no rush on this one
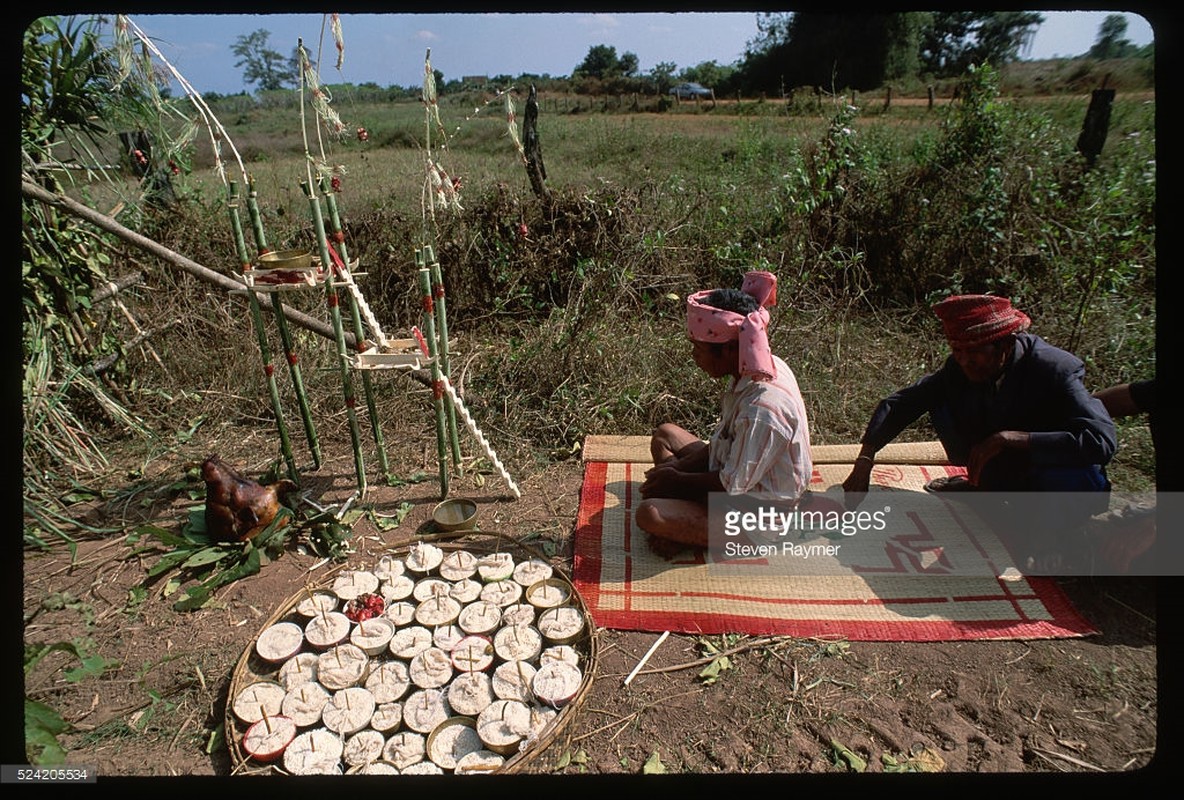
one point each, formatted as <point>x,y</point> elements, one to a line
<point>267,69</point>
<point>708,73</point>
<point>628,64</point>
<point>902,56</point>
<point>1004,35</point>
<point>662,75</point>
<point>832,49</point>
<point>954,40</point>
<point>601,59</point>
<point>602,62</point>
<point>1112,41</point>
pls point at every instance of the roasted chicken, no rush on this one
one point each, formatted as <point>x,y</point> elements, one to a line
<point>237,508</point>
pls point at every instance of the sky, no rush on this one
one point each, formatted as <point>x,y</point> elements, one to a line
<point>389,49</point>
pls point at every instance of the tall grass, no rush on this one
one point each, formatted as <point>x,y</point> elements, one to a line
<point>573,324</point>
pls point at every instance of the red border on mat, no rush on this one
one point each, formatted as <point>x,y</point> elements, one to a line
<point>1066,621</point>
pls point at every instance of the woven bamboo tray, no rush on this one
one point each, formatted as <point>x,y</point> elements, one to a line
<point>251,667</point>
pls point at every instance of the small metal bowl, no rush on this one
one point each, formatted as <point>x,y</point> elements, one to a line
<point>455,515</point>
<point>286,259</point>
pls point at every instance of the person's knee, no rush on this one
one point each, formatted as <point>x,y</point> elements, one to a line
<point>648,516</point>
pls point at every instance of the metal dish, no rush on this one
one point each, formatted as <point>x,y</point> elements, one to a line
<point>455,515</point>
<point>286,259</point>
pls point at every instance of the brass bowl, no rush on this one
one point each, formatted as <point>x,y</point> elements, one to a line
<point>455,515</point>
<point>286,259</point>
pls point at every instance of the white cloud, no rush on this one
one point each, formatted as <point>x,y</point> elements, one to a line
<point>600,22</point>
<point>426,36</point>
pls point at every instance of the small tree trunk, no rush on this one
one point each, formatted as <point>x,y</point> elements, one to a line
<point>1096,125</point>
<point>535,170</point>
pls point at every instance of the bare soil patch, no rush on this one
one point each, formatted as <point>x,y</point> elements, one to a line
<point>779,705</point>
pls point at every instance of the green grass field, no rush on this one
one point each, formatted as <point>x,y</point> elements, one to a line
<point>866,214</point>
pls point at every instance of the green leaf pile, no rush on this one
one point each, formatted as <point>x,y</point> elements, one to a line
<point>207,563</point>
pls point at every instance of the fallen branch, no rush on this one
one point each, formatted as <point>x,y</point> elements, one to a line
<point>755,643</point>
<point>1049,755</point>
<point>106,362</point>
<point>83,212</point>
<point>100,220</point>
<point>112,288</point>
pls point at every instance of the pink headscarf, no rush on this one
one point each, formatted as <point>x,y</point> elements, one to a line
<point>709,324</point>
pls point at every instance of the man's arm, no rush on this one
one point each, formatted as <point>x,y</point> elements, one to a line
<point>1084,433</point>
<point>892,415</point>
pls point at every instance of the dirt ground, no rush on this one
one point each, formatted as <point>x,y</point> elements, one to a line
<point>783,705</point>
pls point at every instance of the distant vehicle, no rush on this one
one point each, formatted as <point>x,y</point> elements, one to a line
<point>689,91</point>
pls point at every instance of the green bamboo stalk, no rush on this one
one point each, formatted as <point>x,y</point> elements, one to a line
<point>359,330</point>
<point>347,387</point>
<point>310,431</point>
<point>442,329</point>
<point>257,320</point>
<point>429,325</point>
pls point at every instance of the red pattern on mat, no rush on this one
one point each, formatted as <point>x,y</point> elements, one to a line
<point>1056,618</point>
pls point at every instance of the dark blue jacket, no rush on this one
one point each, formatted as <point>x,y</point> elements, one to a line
<point>1042,391</point>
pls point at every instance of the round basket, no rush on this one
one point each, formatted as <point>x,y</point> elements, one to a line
<point>252,668</point>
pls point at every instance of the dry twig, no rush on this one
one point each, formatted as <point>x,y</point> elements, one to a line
<point>1049,755</point>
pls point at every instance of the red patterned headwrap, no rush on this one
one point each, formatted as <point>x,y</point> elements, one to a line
<point>970,320</point>
<point>709,324</point>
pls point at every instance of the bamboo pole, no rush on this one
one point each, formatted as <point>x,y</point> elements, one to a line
<point>429,324</point>
<point>257,320</point>
<point>356,320</point>
<point>310,431</point>
<point>347,388</point>
<point>442,347</point>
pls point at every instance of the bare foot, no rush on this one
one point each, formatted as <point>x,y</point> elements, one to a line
<point>666,548</point>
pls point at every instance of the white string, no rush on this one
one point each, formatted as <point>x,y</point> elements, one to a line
<point>363,306</point>
<point>480,437</point>
<point>200,103</point>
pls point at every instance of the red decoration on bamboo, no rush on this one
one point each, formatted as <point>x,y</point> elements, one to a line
<point>292,359</point>
<point>268,370</point>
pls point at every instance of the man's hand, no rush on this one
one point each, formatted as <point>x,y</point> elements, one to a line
<point>857,483</point>
<point>990,447</point>
<point>663,480</point>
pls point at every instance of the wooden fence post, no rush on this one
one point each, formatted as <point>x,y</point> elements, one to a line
<point>535,171</point>
<point>1096,125</point>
